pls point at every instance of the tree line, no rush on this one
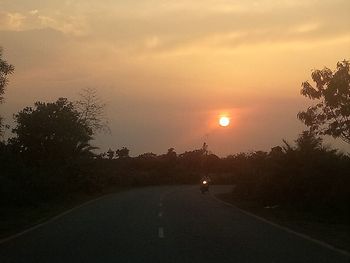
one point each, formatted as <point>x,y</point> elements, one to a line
<point>50,155</point>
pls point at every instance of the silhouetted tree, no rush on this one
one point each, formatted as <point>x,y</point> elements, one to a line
<point>171,154</point>
<point>146,161</point>
<point>331,115</point>
<point>204,149</point>
<point>92,110</point>
<point>195,160</point>
<point>110,154</point>
<point>212,163</point>
<point>122,153</point>
<point>276,152</point>
<point>308,142</point>
<point>5,70</point>
<point>147,156</point>
<point>51,131</point>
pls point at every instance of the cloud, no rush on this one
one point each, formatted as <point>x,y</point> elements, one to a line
<point>35,20</point>
<point>11,21</point>
<point>179,25</point>
<point>74,25</point>
<point>34,12</point>
<point>168,26</point>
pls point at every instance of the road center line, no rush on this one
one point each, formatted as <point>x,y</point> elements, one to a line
<point>160,214</point>
<point>160,204</point>
<point>160,232</point>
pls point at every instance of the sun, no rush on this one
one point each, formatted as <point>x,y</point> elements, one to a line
<point>224,121</point>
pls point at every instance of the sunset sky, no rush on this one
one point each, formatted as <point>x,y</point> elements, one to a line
<point>169,69</point>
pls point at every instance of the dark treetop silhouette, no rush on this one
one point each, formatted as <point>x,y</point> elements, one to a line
<point>331,115</point>
<point>5,70</point>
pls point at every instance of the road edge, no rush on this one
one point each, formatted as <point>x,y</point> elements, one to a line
<point>319,242</point>
<point>52,219</point>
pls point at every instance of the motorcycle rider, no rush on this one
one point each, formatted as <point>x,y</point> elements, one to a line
<point>204,184</point>
<point>206,178</point>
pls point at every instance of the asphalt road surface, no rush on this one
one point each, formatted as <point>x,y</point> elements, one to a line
<point>162,224</point>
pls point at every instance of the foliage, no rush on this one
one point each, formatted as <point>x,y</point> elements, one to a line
<point>110,154</point>
<point>92,110</point>
<point>122,153</point>
<point>304,176</point>
<point>331,115</point>
<point>5,70</point>
<point>51,132</point>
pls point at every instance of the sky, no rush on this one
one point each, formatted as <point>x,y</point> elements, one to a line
<point>168,69</point>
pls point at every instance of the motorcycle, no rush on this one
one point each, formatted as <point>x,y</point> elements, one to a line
<point>204,187</point>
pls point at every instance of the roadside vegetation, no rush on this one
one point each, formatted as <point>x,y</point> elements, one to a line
<point>50,157</point>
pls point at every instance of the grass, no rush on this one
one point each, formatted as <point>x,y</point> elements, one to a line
<point>329,230</point>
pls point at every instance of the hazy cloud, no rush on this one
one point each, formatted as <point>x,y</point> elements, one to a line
<point>168,24</point>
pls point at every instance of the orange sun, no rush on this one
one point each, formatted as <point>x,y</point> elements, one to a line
<point>224,121</point>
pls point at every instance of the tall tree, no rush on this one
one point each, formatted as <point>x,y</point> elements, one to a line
<point>331,114</point>
<point>51,132</point>
<point>5,70</point>
<point>92,110</point>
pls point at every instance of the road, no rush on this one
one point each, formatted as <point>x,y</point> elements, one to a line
<point>162,224</point>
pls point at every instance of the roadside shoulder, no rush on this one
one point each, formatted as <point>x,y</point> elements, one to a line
<point>329,236</point>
